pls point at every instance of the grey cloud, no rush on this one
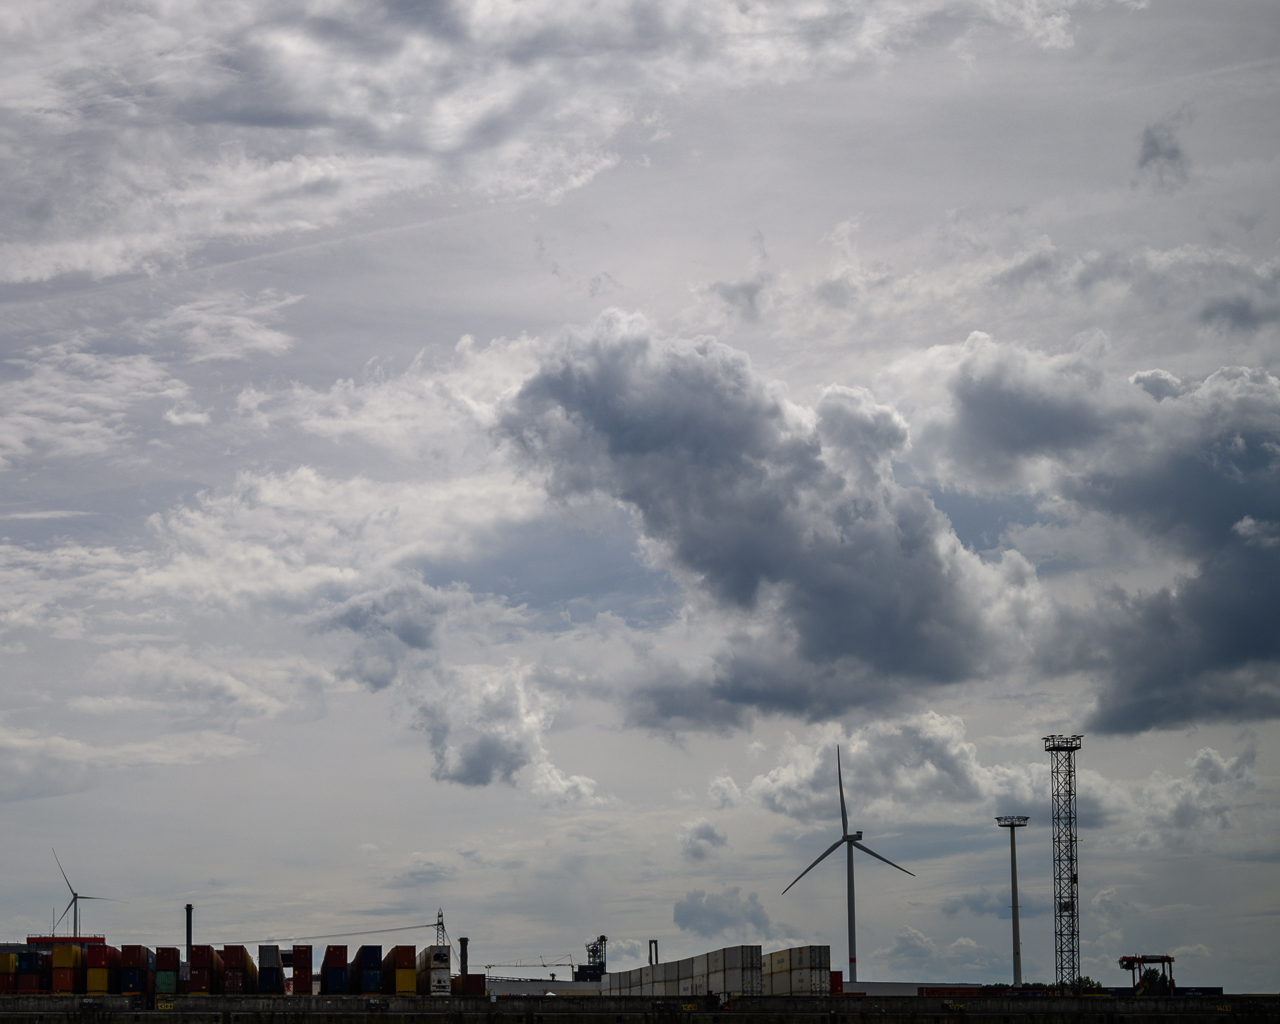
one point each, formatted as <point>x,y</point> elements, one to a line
<point>1159,384</point>
<point>1239,312</point>
<point>479,760</point>
<point>710,914</point>
<point>1198,471</point>
<point>1162,162</point>
<point>277,118</point>
<point>699,839</point>
<point>761,502</point>
<point>997,904</point>
<point>915,952</point>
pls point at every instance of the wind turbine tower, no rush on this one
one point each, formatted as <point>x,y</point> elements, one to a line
<point>1066,878</point>
<point>849,840</point>
<point>1013,822</point>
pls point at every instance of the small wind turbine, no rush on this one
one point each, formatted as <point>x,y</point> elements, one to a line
<point>74,905</point>
<point>850,840</point>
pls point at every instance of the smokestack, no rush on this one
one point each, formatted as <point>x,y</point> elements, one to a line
<point>462,955</point>
<point>188,933</point>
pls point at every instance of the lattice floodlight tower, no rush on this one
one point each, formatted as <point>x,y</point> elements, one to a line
<point>1066,878</point>
<point>1013,822</point>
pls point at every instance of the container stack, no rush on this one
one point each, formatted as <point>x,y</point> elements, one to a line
<point>434,963</point>
<point>137,970</point>
<point>8,973</point>
<point>399,972</point>
<point>168,970</point>
<point>302,971</point>
<point>35,972</point>
<point>68,967</point>
<point>731,971</point>
<point>206,971</point>
<point>364,976</point>
<point>798,971</point>
<point>270,971</point>
<point>333,971</point>
<point>240,973</point>
<point>102,969</point>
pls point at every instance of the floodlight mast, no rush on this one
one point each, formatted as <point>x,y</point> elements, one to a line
<point>1013,822</point>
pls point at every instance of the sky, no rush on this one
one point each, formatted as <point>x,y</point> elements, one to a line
<point>487,456</point>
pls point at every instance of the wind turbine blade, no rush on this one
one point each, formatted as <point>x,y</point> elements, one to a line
<point>109,899</point>
<point>830,850</point>
<point>885,859</point>
<point>64,914</point>
<point>844,818</point>
<point>64,874</point>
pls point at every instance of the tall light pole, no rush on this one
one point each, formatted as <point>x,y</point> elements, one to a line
<point>1013,822</point>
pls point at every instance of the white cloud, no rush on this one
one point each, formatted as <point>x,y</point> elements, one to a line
<point>699,839</point>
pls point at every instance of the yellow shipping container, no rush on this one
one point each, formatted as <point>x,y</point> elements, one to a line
<point>8,963</point>
<point>97,979</point>
<point>406,981</point>
<point>66,956</point>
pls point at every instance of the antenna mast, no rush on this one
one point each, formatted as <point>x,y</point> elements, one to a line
<point>1066,878</point>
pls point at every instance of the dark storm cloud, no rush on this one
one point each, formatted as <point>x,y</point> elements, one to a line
<point>1193,467</point>
<point>761,501</point>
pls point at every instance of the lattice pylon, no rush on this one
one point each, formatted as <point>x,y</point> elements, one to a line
<point>1066,875</point>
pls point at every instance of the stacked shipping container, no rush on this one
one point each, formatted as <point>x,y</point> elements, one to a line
<point>798,971</point>
<point>400,972</point>
<point>433,971</point>
<point>364,973</point>
<point>8,973</point>
<point>240,973</point>
<point>168,970</point>
<point>333,971</point>
<point>206,971</point>
<point>270,971</point>
<point>137,970</point>
<point>68,968</point>
<point>102,969</point>
<point>731,971</point>
<point>302,980</point>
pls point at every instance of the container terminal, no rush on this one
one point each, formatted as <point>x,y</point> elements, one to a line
<point>86,980</point>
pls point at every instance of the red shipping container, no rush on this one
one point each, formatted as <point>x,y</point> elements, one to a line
<point>102,956</point>
<point>302,982</point>
<point>199,978</point>
<point>28,982</point>
<point>206,957</point>
<point>334,956</point>
<point>837,983</point>
<point>8,984</point>
<point>68,979</point>
<point>233,958</point>
<point>168,958</point>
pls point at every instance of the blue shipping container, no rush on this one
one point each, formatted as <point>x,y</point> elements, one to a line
<point>29,962</point>
<point>335,981</point>
<point>271,981</point>
<point>368,958</point>
<point>132,979</point>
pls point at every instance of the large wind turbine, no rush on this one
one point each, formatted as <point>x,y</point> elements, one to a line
<point>850,840</point>
<point>74,905</point>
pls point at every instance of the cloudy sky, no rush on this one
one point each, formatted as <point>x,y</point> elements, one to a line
<point>486,456</point>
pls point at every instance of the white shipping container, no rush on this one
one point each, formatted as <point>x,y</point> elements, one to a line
<point>700,964</point>
<point>647,988</point>
<point>646,976</point>
<point>715,961</point>
<point>780,983</point>
<point>684,968</point>
<point>686,986</point>
<point>766,989</point>
<point>715,982</point>
<point>779,962</point>
<point>733,957</point>
<point>672,988</point>
<point>439,985</point>
<point>699,984</point>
